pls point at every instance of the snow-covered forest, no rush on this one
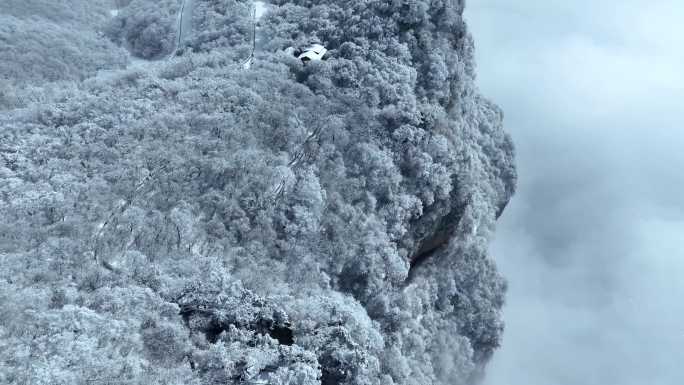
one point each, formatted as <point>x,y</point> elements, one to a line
<point>172,216</point>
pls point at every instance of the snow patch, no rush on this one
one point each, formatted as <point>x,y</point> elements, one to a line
<point>260,9</point>
<point>114,12</point>
<point>247,64</point>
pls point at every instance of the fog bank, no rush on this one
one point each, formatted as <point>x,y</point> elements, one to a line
<point>591,243</point>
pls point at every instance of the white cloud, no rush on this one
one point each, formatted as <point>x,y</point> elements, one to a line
<point>592,93</point>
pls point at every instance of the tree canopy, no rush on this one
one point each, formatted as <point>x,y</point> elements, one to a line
<point>188,221</point>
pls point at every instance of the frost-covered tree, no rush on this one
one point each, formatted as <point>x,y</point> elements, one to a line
<point>198,222</point>
<point>147,29</point>
<point>37,50</point>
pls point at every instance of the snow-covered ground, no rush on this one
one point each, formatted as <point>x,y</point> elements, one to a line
<point>184,24</point>
<point>260,9</point>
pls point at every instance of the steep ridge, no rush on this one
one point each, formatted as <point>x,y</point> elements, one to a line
<point>142,225</point>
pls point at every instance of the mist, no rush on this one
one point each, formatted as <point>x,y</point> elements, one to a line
<point>591,245</point>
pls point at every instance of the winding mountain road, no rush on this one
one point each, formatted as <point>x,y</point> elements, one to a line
<point>184,23</point>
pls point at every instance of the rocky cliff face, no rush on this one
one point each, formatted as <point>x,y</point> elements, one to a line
<point>192,221</point>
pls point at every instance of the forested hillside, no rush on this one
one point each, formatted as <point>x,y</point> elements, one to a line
<point>188,221</point>
<point>48,41</point>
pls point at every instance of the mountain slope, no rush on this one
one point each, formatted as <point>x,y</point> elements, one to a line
<point>195,222</point>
